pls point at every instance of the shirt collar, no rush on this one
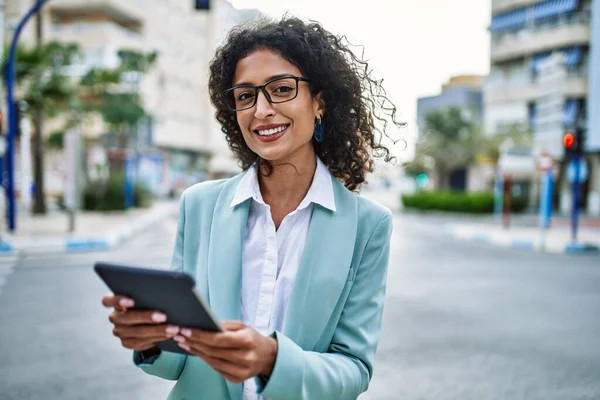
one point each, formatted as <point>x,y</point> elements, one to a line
<point>320,191</point>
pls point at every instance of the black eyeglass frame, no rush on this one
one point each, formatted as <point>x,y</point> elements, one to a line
<point>263,88</point>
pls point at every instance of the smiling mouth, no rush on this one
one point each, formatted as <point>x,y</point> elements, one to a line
<point>272,131</point>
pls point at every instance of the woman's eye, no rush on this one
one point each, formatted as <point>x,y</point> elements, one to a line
<point>244,96</point>
<point>282,89</point>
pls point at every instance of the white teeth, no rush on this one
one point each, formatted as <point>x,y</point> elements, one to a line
<point>269,132</point>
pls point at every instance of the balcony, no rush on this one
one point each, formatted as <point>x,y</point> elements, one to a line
<point>94,34</point>
<point>575,86</point>
<point>499,6</point>
<point>110,10</point>
<point>566,31</point>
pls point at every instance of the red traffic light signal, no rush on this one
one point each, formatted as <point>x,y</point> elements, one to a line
<point>569,140</point>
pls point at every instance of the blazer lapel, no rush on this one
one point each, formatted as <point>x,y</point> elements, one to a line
<point>324,268</point>
<point>225,261</point>
<point>225,254</point>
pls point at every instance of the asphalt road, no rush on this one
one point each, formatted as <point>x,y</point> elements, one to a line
<point>462,321</point>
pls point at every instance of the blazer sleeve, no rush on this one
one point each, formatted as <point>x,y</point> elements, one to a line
<point>168,365</point>
<point>344,372</point>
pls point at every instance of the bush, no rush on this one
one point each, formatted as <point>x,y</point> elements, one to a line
<point>110,195</point>
<point>466,202</point>
<point>142,195</point>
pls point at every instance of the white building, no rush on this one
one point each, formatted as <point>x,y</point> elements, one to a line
<point>175,91</point>
<point>525,33</point>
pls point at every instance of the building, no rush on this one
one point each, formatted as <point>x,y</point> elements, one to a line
<point>175,92</point>
<point>464,92</point>
<point>525,34</point>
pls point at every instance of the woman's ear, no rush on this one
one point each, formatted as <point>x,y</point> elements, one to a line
<point>319,105</point>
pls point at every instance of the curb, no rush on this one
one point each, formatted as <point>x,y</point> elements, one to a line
<point>5,248</point>
<point>87,244</point>
<point>519,244</point>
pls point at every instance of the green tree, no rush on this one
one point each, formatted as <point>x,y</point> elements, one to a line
<point>114,93</point>
<point>452,141</point>
<point>42,83</point>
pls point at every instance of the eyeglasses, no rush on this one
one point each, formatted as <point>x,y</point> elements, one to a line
<point>278,90</point>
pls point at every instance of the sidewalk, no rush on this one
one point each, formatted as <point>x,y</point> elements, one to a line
<point>93,230</point>
<point>523,233</point>
<point>557,240</point>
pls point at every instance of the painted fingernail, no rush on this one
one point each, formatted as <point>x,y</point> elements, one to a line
<point>172,330</point>
<point>179,339</point>
<point>159,317</point>
<point>186,332</point>
<point>126,303</point>
<point>184,346</point>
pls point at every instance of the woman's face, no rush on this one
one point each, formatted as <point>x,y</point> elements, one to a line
<point>279,133</point>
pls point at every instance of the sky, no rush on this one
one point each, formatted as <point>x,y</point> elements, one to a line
<point>414,45</point>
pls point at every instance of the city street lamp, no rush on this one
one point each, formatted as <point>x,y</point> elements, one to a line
<point>8,174</point>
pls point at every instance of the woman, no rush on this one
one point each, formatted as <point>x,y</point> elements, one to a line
<point>285,252</point>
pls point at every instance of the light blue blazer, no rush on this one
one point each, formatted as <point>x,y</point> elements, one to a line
<point>333,321</point>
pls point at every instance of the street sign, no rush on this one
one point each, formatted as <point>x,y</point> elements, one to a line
<point>584,171</point>
<point>545,162</point>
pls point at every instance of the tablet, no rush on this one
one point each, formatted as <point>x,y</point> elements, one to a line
<point>169,292</point>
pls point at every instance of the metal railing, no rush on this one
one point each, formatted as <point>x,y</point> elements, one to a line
<point>577,18</point>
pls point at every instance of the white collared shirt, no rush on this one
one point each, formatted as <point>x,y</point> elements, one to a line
<point>271,257</point>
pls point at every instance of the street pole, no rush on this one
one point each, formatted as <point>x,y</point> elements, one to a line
<point>498,194</point>
<point>507,191</point>
<point>72,152</point>
<point>2,144</point>
<point>39,201</point>
<point>575,205</point>
<point>2,28</point>
<point>26,180</point>
<point>547,188</point>
<point>12,115</point>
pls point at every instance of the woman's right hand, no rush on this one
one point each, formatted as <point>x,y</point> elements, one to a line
<point>138,330</point>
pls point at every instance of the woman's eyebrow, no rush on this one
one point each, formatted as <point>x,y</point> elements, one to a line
<point>286,75</point>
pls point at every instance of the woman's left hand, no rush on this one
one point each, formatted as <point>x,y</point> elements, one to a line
<point>238,353</point>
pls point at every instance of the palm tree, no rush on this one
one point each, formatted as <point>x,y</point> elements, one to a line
<point>453,141</point>
<point>42,83</point>
<point>114,93</point>
<point>449,141</point>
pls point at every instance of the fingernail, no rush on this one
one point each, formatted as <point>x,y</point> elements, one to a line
<point>159,317</point>
<point>172,330</point>
<point>186,332</point>
<point>126,303</point>
<point>184,346</point>
<point>179,339</point>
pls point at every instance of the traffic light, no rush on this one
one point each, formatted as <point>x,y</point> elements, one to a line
<point>569,140</point>
<point>202,5</point>
<point>573,143</point>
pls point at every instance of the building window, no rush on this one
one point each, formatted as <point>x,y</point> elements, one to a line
<point>532,114</point>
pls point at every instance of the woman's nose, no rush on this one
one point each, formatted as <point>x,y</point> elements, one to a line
<point>264,108</point>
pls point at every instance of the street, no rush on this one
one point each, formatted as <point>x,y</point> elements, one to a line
<point>462,321</point>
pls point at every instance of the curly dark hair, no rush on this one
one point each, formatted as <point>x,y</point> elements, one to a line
<point>353,99</point>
